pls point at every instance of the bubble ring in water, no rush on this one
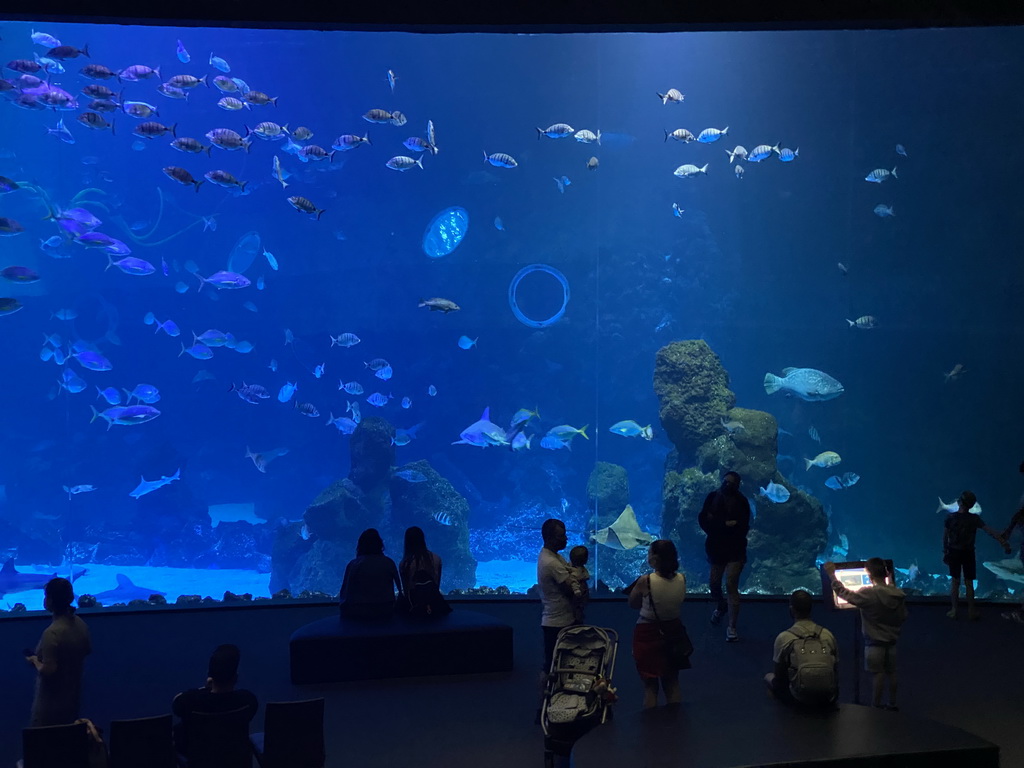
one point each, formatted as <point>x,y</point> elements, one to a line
<point>515,285</point>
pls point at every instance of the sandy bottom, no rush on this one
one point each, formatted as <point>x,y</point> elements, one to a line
<point>214,582</point>
<point>172,581</point>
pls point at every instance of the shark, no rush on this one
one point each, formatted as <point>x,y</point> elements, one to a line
<point>1008,569</point>
<point>624,533</point>
<point>12,580</point>
<point>126,591</point>
<point>148,486</point>
<point>483,433</point>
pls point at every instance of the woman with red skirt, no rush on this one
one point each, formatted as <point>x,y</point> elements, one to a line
<point>659,620</point>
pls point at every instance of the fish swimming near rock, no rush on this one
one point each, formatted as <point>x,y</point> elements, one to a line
<point>126,591</point>
<point>776,493</point>
<point>806,383</point>
<point>630,428</point>
<point>625,533</point>
<point>733,427</point>
<point>839,482</point>
<point>823,459</point>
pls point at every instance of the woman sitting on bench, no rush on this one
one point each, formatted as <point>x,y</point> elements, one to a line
<point>368,589</point>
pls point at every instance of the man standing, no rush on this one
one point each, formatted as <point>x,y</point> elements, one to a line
<point>725,518</point>
<point>59,658</point>
<point>554,578</point>
<point>958,551</point>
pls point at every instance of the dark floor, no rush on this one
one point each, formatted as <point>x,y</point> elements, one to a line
<point>960,673</point>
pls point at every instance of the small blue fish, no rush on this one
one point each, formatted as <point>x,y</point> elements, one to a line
<point>250,306</point>
<point>65,314</point>
<point>352,387</point>
<point>882,211</point>
<point>900,150</point>
<point>244,347</point>
<point>776,493</point>
<point>272,365</point>
<point>553,443</point>
<point>169,327</point>
<point>219,63</point>
<point>138,145</point>
<point>180,287</point>
<point>377,399</point>
<point>406,402</point>
<point>50,66</point>
<point>384,373</point>
<point>110,394</point>
<point>148,486</point>
<point>260,284</point>
<point>411,476</point>
<point>814,435</point>
<point>183,56</point>
<point>164,267</point>
<point>562,183</point>
<point>46,354</point>
<point>198,351</point>
<point>344,424</point>
<point>499,224</point>
<point>47,41</point>
<point>466,343</point>
<point>287,392</point>
<point>432,390</point>
<point>319,370</point>
<point>270,259</point>
<point>391,80</point>
<point>56,241</point>
<point>61,132</point>
<point>789,155</point>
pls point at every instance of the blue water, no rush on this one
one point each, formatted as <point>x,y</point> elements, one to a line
<point>750,266</point>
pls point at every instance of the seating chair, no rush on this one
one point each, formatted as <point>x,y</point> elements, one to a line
<point>55,746</point>
<point>144,742</point>
<point>219,739</point>
<point>293,735</point>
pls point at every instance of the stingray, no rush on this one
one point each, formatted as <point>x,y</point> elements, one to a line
<point>1009,569</point>
<point>624,533</point>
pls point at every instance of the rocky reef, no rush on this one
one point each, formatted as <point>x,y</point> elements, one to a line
<point>712,437</point>
<point>607,492</point>
<point>311,556</point>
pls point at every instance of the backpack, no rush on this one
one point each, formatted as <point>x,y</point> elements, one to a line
<point>812,671</point>
<point>424,595</point>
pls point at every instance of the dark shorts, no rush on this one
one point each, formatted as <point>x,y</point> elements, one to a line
<point>962,560</point>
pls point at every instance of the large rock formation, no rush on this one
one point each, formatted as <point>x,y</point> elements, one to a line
<point>442,512</point>
<point>607,492</point>
<point>693,393</point>
<point>712,438</point>
<point>312,555</point>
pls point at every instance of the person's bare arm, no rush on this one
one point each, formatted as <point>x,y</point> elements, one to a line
<point>641,588</point>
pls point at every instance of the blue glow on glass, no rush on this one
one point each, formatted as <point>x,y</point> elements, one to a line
<point>445,232</point>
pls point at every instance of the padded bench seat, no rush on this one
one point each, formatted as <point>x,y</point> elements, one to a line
<point>334,649</point>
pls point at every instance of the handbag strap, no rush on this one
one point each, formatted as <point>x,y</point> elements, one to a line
<point>650,596</point>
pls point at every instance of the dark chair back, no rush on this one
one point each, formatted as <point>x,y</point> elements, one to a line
<point>293,734</point>
<point>144,742</point>
<point>56,746</point>
<point>219,739</point>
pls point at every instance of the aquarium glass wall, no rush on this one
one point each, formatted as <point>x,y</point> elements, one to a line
<point>262,290</point>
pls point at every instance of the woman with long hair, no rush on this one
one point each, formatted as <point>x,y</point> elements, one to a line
<point>420,570</point>
<point>368,589</point>
<point>658,595</point>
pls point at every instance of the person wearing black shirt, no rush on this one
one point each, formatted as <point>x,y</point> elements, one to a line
<point>370,582</point>
<point>725,518</point>
<point>958,551</point>
<point>218,695</point>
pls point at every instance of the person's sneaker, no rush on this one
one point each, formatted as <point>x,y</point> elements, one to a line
<point>1013,616</point>
<point>950,614</point>
<point>716,617</point>
<point>731,635</point>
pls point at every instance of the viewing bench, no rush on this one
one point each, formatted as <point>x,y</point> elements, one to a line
<point>335,650</point>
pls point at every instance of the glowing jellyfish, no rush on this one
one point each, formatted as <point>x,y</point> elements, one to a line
<point>445,232</point>
<point>244,252</point>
